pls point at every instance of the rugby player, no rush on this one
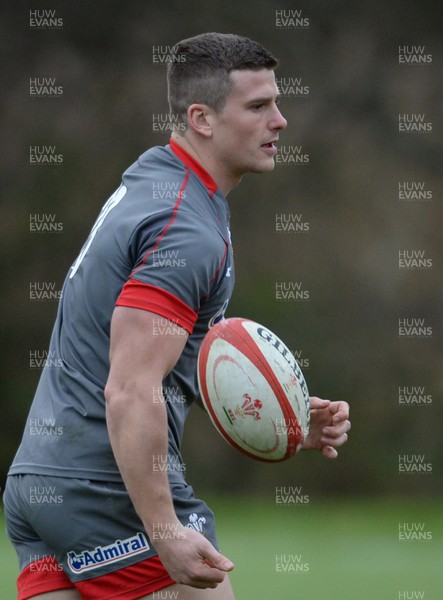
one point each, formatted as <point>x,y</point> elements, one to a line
<point>97,504</point>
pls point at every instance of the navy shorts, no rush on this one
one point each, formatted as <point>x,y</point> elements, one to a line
<point>86,534</point>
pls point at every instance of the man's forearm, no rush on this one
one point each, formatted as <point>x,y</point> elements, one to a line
<point>139,437</point>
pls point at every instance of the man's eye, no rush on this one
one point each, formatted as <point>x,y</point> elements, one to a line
<point>257,106</point>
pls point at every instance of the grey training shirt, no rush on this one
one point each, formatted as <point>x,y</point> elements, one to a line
<point>160,243</point>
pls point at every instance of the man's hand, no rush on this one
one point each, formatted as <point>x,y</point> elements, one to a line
<point>191,559</point>
<point>329,426</point>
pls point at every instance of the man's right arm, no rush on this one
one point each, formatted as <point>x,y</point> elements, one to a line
<point>138,430</point>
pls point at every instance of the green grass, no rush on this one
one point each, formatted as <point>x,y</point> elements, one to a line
<point>9,567</point>
<point>349,550</point>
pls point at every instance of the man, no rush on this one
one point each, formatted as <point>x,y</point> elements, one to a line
<point>129,326</point>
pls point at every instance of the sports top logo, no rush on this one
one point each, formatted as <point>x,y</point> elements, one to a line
<point>105,555</point>
<point>196,522</point>
<point>219,315</point>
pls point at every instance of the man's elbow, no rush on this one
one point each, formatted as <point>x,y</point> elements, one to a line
<point>135,395</point>
<point>117,400</point>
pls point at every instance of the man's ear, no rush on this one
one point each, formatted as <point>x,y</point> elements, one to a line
<point>199,119</point>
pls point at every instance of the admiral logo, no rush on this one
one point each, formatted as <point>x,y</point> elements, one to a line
<point>290,496</point>
<point>106,555</point>
<point>290,563</point>
<point>167,123</point>
<point>413,259</point>
<point>290,290</point>
<point>291,19</point>
<point>44,155</point>
<point>413,532</point>
<point>290,223</point>
<point>291,156</point>
<point>413,396</point>
<point>45,87</point>
<point>163,55</point>
<point>292,87</point>
<point>413,464</point>
<point>44,291</point>
<point>413,328</point>
<point>413,123</point>
<point>413,55</point>
<point>44,19</point>
<point>411,191</point>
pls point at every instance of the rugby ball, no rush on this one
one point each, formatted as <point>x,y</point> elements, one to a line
<point>253,390</point>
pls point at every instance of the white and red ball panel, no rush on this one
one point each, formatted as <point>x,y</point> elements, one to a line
<point>253,390</point>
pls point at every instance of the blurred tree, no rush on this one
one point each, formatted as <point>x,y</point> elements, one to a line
<point>346,193</point>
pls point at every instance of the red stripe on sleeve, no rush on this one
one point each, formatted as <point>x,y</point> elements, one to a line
<point>167,226</point>
<point>218,270</point>
<point>136,294</point>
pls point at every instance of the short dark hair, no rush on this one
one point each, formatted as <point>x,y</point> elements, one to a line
<point>199,68</point>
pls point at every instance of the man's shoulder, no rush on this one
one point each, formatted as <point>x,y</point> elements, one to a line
<point>155,160</point>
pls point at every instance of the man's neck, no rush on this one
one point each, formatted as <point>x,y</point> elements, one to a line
<point>204,157</point>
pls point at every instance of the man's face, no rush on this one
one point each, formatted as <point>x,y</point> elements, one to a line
<point>246,129</point>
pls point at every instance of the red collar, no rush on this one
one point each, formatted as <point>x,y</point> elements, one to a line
<point>195,166</point>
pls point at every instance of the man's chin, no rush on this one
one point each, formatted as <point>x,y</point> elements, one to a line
<point>264,167</point>
<point>267,168</point>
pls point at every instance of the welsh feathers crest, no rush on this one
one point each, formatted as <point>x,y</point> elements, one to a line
<point>196,522</point>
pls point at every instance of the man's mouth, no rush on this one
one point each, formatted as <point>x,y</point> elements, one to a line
<point>270,147</point>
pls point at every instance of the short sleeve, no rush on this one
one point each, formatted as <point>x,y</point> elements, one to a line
<point>177,257</point>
